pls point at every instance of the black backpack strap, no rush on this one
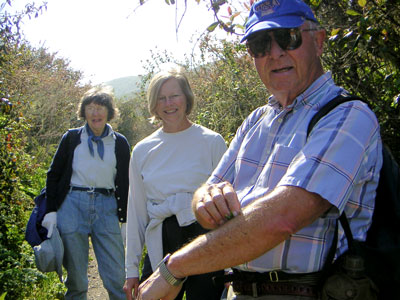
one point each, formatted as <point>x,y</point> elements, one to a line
<point>347,230</point>
<point>349,236</point>
<point>328,107</point>
<point>343,219</point>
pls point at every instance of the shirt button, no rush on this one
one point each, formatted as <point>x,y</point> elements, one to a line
<point>116,186</point>
<point>118,198</point>
<point>119,209</point>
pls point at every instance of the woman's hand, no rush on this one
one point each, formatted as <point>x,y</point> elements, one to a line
<point>131,284</point>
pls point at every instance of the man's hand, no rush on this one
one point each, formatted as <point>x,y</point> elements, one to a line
<point>215,204</point>
<point>131,284</point>
<point>49,222</point>
<point>156,287</point>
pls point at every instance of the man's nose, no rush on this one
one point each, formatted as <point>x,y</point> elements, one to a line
<point>275,51</point>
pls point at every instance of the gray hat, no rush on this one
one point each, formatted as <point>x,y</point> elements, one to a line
<point>49,254</point>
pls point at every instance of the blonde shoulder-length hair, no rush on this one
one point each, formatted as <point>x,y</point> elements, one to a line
<point>156,83</point>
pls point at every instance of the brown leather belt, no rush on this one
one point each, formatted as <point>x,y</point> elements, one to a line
<point>257,289</point>
<point>272,283</point>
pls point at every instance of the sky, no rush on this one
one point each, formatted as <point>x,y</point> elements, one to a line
<point>112,39</point>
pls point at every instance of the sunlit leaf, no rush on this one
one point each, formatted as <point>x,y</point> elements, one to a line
<point>236,14</point>
<point>315,2</point>
<point>362,3</point>
<point>352,12</point>
<point>212,27</point>
<point>335,31</point>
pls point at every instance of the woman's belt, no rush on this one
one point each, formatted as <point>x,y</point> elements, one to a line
<point>103,191</point>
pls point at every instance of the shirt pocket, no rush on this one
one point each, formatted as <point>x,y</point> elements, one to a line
<point>276,166</point>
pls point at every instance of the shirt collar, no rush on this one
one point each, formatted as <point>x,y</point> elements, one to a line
<point>307,96</point>
<point>110,132</point>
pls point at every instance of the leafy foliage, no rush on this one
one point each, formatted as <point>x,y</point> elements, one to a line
<point>25,75</point>
<point>44,85</point>
<point>364,56</point>
<point>226,85</point>
<point>39,94</point>
<point>133,122</point>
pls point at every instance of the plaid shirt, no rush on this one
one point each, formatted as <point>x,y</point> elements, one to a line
<point>340,161</point>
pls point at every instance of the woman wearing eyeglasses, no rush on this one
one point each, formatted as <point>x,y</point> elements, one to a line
<point>87,190</point>
<point>165,169</point>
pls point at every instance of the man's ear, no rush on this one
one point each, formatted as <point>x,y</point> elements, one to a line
<point>319,40</point>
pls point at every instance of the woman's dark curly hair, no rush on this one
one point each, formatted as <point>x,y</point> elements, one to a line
<point>102,95</point>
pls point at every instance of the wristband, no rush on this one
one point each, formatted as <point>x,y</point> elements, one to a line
<point>166,274</point>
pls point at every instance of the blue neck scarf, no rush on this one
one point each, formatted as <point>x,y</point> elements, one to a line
<point>97,139</point>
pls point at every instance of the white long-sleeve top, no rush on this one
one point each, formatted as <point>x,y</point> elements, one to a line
<point>165,170</point>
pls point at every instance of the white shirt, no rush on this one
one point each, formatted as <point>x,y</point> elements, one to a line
<point>92,171</point>
<point>165,170</point>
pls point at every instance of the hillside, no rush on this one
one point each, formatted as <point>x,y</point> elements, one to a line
<point>125,86</point>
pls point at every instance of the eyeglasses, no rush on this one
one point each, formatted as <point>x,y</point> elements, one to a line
<point>171,98</point>
<point>93,109</point>
<point>286,38</point>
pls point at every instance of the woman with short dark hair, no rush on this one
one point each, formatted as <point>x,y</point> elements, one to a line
<point>87,189</point>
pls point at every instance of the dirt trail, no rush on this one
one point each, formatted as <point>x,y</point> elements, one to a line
<point>96,290</point>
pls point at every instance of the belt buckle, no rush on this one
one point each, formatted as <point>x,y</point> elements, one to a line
<point>91,190</point>
<point>254,289</point>
<point>273,276</point>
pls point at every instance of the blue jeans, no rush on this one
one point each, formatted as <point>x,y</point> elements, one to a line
<point>81,215</point>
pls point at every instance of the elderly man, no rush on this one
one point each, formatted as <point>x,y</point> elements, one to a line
<point>274,198</point>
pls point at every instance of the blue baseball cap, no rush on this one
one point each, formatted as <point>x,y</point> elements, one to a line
<point>273,14</point>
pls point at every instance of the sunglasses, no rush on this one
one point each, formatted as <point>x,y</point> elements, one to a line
<point>287,38</point>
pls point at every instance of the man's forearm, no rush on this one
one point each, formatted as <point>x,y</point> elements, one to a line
<point>262,225</point>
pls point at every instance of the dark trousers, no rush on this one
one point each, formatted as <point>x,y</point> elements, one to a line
<point>197,287</point>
